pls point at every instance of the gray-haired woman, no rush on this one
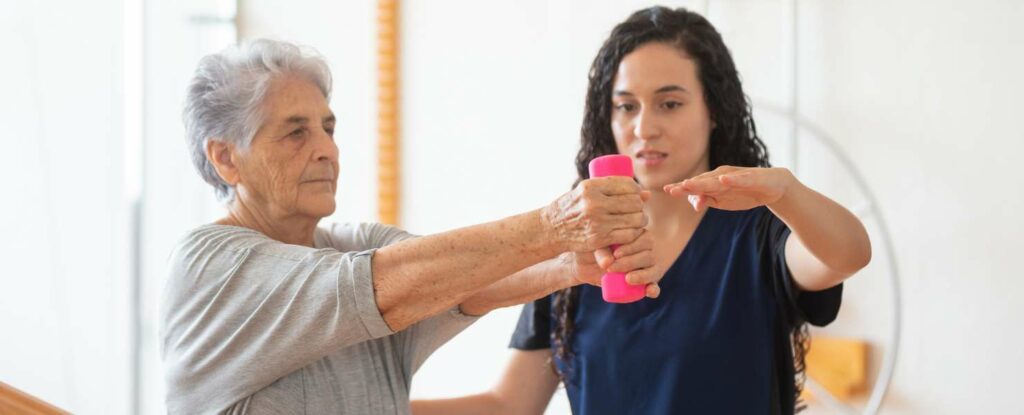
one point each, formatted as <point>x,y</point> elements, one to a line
<point>266,312</point>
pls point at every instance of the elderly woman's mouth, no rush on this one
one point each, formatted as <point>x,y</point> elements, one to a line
<point>318,184</point>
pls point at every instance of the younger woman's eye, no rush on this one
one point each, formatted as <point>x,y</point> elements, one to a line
<point>627,107</point>
<point>673,104</point>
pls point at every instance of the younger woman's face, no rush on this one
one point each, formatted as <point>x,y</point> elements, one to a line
<point>659,117</point>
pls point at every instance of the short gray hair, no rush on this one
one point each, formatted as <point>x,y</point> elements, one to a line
<point>226,93</point>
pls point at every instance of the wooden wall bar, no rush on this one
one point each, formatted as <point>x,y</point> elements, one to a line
<point>388,184</point>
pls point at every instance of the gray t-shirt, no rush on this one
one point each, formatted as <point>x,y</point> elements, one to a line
<point>250,325</point>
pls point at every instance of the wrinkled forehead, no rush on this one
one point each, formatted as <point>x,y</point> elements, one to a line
<point>294,100</point>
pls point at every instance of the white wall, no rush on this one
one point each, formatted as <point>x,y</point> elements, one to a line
<point>924,96</point>
<point>65,322</point>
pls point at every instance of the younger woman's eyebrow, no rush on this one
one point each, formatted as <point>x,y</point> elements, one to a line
<point>662,90</point>
<point>671,88</point>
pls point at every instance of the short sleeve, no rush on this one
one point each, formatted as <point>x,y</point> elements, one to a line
<point>422,339</point>
<point>347,237</point>
<point>241,310</point>
<point>815,307</point>
<point>533,331</point>
<point>418,341</point>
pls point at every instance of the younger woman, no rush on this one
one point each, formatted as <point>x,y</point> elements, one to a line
<point>749,254</point>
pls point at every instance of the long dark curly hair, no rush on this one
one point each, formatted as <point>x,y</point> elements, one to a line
<point>733,141</point>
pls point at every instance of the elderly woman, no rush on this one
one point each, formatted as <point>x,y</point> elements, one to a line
<point>267,311</point>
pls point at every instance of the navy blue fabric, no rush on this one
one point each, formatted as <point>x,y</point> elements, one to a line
<point>715,341</point>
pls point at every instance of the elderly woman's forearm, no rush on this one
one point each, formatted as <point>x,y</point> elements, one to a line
<point>420,277</point>
<point>524,286</point>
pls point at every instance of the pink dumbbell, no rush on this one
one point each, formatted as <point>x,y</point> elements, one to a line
<point>614,287</point>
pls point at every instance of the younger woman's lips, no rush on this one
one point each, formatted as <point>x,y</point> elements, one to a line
<point>651,160</point>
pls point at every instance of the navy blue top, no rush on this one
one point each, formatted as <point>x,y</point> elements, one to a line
<point>717,340</point>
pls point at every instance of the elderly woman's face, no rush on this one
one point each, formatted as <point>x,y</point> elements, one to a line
<point>291,166</point>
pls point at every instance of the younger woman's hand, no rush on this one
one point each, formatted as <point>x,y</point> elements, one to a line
<point>636,259</point>
<point>734,188</point>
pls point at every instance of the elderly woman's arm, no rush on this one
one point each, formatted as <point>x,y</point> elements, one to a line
<point>420,277</point>
<point>524,286</point>
<point>242,310</point>
<point>569,269</point>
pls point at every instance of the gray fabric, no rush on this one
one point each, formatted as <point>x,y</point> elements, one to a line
<point>250,325</point>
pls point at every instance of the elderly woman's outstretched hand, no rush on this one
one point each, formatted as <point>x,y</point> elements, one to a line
<point>597,213</point>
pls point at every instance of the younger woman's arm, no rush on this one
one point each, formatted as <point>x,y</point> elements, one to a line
<point>525,388</point>
<point>830,244</point>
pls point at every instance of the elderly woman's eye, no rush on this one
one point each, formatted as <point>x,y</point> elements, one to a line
<point>297,133</point>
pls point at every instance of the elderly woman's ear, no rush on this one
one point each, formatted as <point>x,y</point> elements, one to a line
<point>222,157</point>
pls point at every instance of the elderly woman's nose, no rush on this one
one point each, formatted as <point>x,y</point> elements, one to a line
<point>326,149</point>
